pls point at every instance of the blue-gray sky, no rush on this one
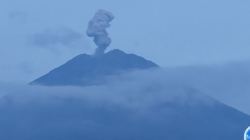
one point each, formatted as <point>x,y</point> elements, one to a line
<point>168,32</point>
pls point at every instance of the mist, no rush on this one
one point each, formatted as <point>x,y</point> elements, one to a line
<point>139,101</point>
<point>96,112</point>
<point>228,83</point>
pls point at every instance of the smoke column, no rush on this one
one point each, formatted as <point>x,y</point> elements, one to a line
<point>97,29</point>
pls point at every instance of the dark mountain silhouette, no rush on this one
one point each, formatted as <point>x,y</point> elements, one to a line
<point>74,119</point>
<point>87,70</point>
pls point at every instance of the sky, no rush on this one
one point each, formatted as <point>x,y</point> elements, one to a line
<point>37,36</point>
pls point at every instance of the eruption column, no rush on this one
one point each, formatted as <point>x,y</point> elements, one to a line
<point>97,29</point>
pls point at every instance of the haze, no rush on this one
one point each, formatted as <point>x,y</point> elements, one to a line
<point>170,33</point>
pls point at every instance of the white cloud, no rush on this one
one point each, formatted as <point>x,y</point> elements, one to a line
<point>133,90</point>
<point>140,105</point>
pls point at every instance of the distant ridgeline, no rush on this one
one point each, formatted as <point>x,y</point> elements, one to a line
<point>88,70</point>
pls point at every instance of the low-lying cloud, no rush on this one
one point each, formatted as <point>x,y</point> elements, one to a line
<point>228,83</point>
<point>109,111</point>
<point>132,90</point>
<point>139,105</point>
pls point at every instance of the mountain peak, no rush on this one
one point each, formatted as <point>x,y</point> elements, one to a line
<point>87,70</point>
<point>116,52</point>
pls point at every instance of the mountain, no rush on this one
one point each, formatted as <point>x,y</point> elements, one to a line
<point>190,116</point>
<point>179,111</point>
<point>87,70</point>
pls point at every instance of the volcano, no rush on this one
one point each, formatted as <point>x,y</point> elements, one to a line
<point>168,120</point>
<point>85,69</point>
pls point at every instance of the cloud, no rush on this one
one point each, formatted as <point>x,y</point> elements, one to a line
<point>52,38</point>
<point>109,111</point>
<point>18,16</point>
<point>132,90</point>
<point>228,83</point>
<point>138,105</point>
<point>26,67</point>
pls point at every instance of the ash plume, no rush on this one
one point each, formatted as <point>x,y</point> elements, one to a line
<point>97,29</point>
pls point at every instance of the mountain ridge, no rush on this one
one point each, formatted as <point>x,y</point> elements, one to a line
<point>90,70</point>
<point>174,118</point>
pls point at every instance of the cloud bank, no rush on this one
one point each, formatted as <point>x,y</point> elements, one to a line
<point>96,112</point>
<point>139,105</point>
<point>228,83</point>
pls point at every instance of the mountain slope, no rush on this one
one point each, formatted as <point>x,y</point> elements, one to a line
<point>178,111</point>
<point>87,70</point>
<point>190,116</point>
